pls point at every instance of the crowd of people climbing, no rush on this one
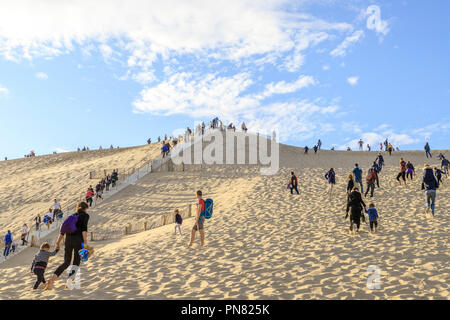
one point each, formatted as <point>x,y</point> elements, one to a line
<point>356,207</point>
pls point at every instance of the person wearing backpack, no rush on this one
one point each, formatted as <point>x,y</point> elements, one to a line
<point>178,220</point>
<point>294,183</point>
<point>429,184</point>
<point>74,228</point>
<point>89,195</point>
<point>199,220</point>
<point>370,180</point>
<point>331,177</point>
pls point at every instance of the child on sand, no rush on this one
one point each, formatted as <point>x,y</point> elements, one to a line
<point>40,261</point>
<point>178,220</point>
<point>373,217</point>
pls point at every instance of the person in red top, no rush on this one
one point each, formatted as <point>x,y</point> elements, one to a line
<point>402,172</point>
<point>89,195</point>
<point>199,220</point>
<point>370,179</point>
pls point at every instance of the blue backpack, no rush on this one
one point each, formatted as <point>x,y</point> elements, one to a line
<point>70,224</point>
<point>208,209</point>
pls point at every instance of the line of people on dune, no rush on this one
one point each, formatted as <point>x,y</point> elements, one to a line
<point>103,185</point>
<point>355,204</point>
<point>55,212</point>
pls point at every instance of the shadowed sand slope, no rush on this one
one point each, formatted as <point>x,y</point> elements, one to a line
<point>263,242</point>
<point>29,185</point>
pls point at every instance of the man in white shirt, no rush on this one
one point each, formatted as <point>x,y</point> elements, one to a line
<point>56,208</point>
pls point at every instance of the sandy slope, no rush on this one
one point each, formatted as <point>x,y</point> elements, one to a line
<point>262,242</point>
<point>29,185</point>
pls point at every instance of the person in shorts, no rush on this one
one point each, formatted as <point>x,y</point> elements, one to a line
<point>199,220</point>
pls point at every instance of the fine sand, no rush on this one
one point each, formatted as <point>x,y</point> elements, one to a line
<point>261,243</point>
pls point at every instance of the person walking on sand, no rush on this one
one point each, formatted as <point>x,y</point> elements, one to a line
<point>24,234</point>
<point>73,243</point>
<point>444,165</point>
<point>331,177</point>
<point>315,149</point>
<point>178,220</point>
<point>8,240</point>
<point>430,185</point>
<point>438,174</point>
<point>350,184</point>
<point>380,161</point>
<point>390,148</point>
<point>355,204</point>
<point>376,169</point>
<point>37,221</point>
<point>361,144</point>
<point>373,217</point>
<point>409,170</point>
<point>40,262</point>
<point>199,220</point>
<point>402,172</point>
<point>428,150</point>
<point>319,144</point>
<point>357,173</point>
<point>370,180</point>
<point>293,183</point>
<point>368,147</point>
<point>306,149</point>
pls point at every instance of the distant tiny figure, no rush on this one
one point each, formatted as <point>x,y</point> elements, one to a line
<point>402,173</point>
<point>368,147</point>
<point>319,144</point>
<point>306,149</point>
<point>438,174</point>
<point>24,234</point>
<point>8,240</point>
<point>315,149</point>
<point>428,150</point>
<point>361,143</point>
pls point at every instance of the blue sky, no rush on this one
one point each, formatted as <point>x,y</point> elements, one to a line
<point>107,73</point>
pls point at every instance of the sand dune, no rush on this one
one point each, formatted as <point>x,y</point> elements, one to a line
<point>262,242</point>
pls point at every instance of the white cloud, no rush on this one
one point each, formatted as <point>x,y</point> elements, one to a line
<point>341,49</point>
<point>289,87</point>
<point>3,90</point>
<point>41,75</point>
<point>144,77</point>
<point>212,95</point>
<point>374,21</point>
<point>326,67</point>
<point>353,80</point>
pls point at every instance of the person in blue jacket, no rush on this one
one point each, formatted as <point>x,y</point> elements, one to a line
<point>429,184</point>
<point>380,161</point>
<point>373,217</point>
<point>357,173</point>
<point>8,242</point>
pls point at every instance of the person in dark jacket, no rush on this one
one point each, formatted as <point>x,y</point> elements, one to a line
<point>355,205</point>
<point>350,184</point>
<point>331,177</point>
<point>293,183</point>
<point>73,243</point>
<point>380,161</point>
<point>428,150</point>
<point>438,172</point>
<point>429,184</point>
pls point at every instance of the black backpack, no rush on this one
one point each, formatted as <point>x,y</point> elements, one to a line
<point>178,218</point>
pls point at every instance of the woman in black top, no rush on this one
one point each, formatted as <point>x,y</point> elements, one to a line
<point>350,184</point>
<point>73,242</point>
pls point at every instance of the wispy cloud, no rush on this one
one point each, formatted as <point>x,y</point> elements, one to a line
<point>341,49</point>
<point>3,90</point>
<point>353,81</point>
<point>41,75</point>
